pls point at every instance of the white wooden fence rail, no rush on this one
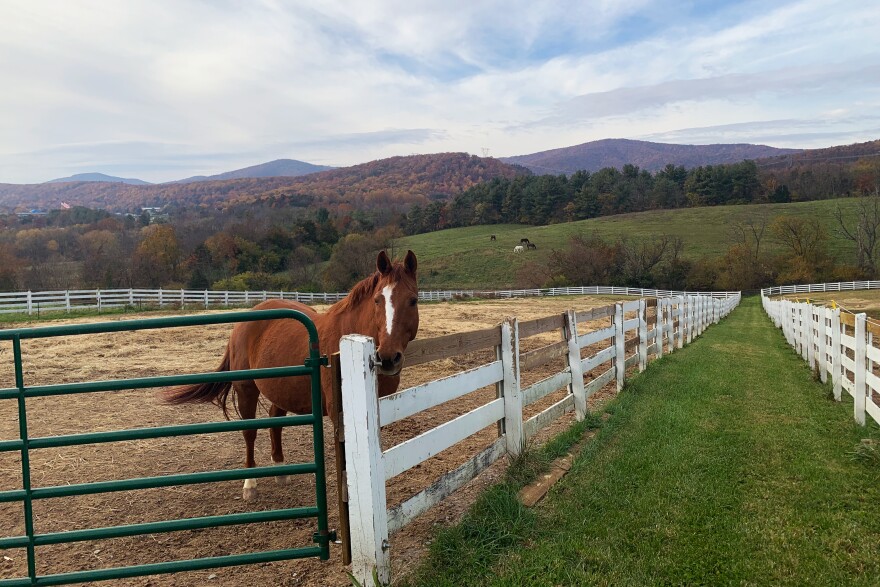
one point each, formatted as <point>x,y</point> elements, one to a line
<point>819,287</point>
<point>678,320</point>
<point>30,302</point>
<point>834,342</point>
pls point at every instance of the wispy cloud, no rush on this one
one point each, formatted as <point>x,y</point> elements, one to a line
<point>167,89</point>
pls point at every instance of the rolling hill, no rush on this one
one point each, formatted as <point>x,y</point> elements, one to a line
<point>99,177</point>
<point>396,180</point>
<point>277,168</point>
<point>595,155</point>
<point>466,258</point>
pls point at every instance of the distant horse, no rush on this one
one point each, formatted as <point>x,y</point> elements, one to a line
<point>492,238</point>
<point>384,306</point>
<point>523,241</point>
<point>518,249</point>
<point>532,246</point>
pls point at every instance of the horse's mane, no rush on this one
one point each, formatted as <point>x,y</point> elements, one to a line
<point>364,289</point>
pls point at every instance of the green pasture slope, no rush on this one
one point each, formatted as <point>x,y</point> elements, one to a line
<point>724,463</point>
<point>466,258</point>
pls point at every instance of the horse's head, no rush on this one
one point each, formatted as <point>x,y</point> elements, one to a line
<point>396,312</point>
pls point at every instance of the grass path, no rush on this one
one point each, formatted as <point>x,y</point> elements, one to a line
<point>723,464</point>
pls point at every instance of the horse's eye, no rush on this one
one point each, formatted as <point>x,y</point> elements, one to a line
<point>378,300</point>
<point>414,301</point>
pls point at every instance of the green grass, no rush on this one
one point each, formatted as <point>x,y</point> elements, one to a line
<point>724,463</point>
<point>466,258</point>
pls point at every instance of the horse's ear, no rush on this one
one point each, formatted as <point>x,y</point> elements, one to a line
<point>383,263</point>
<point>410,262</point>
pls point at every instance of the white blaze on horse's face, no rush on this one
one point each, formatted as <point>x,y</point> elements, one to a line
<point>389,307</point>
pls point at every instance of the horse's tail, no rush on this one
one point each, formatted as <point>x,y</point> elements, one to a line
<point>202,393</point>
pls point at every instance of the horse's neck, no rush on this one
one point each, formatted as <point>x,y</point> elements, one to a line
<point>336,323</point>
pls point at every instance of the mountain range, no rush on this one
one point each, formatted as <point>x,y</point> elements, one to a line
<point>277,168</point>
<point>596,155</point>
<point>395,180</point>
<point>99,177</point>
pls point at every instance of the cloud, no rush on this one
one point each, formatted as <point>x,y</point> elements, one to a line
<point>167,89</point>
<point>785,82</point>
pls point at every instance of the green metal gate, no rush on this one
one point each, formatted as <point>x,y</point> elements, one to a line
<point>27,494</point>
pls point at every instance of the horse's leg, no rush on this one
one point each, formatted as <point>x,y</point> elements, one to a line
<point>248,396</point>
<point>275,437</point>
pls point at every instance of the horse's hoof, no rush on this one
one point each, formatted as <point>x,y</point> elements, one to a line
<point>249,493</point>
<point>284,479</point>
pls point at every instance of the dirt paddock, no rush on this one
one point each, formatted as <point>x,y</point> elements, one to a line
<point>190,350</point>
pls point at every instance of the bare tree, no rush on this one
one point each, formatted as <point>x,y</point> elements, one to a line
<point>864,233</point>
<point>640,257</point>
<point>749,234</point>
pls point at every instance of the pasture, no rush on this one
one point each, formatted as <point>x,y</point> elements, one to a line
<point>148,353</point>
<point>467,258</point>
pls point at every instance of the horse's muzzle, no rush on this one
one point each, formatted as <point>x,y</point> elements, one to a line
<point>388,366</point>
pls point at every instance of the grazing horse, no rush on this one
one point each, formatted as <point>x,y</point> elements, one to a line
<point>518,249</point>
<point>532,246</point>
<point>492,237</point>
<point>384,306</point>
<point>523,241</point>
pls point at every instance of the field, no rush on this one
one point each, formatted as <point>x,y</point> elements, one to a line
<point>466,258</point>
<point>148,353</point>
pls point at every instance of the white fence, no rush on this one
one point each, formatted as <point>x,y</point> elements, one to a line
<point>30,302</point>
<point>676,322</point>
<point>834,342</point>
<point>819,287</point>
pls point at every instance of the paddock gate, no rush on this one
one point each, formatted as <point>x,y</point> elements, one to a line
<point>676,321</point>
<point>28,493</point>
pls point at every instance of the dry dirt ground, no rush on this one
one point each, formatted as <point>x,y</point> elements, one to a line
<point>176,351</point>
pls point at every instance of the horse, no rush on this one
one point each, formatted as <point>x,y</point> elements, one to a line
<point>532,246</point>
<point>384,306</point>
<point>523,241</point>
<point>518,249</point>
<point>492,237</point>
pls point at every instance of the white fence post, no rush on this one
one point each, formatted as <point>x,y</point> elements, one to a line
<point>576,387</point>
<point>130,297</point>
<point>658,327</point>
<point>67,300</point>
<point>161,301</point>
<point>643,334</point>
<point>823,343</point>
<point>619,348</point>
<point>206,299</point>
<point>98,296</point>
<point>30,303</point>
<point>860,369</point>
<point>368,513</point>
<point>811,343</point>
<point>510,389</point>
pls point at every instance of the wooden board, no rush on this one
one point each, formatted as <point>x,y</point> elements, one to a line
<point>442,347</point>
<point>538,390</point>
<point>344,533</point>
<point>422,397</point>
<point>402,514</point>
<point>543,355</point>
<point>541,325</point>
<point>419,449</point>
<point>534,424</point>
<point>595,314</point>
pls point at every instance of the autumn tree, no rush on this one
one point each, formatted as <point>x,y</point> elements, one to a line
<point>157,257</point>
<point>804,241</point>
<point>353,258</point>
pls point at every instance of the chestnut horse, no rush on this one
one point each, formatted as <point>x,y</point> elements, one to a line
<point>384,306</point>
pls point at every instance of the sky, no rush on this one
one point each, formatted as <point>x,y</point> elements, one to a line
<point>166,89</point>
